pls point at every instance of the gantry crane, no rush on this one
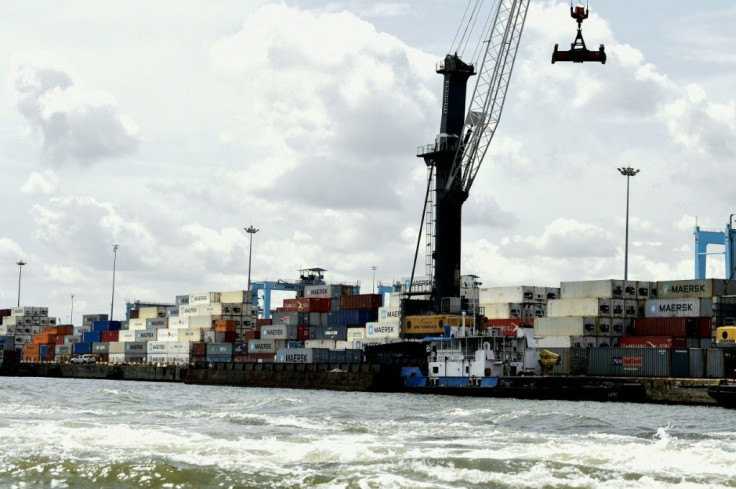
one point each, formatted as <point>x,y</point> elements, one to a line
<point>455,157</point>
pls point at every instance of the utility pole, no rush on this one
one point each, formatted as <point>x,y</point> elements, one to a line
<point>20,264</point>
<point>71,314</point>
<point>628,172</point>
<point>374,278</point>
<point>114,261</point>
<point>251,231</point>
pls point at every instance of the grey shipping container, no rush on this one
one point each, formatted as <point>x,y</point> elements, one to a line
<point>703,288</point>
<point>697,362</point>
<point>680,363</point>
<point>630,362</point>
<point>714,367</point>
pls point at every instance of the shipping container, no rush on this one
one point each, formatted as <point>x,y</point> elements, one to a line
<point>136,324</point>
<point>580,307</point>
<point>261,346</point>
<point>715,366</point>
<point>389,314</point>
<point>507,310</point>
<point>113,348</point>
<point>355,333</point>
<point>157,323</point>
<point>698,360</point>
<point>136,347</point>
<point>678,308</point>
<point>116,358</point>
<point>565,326</point>
<point>651,342</point>
<point>329,344</point>
<point>82,347</point>
<point>353,317</point>
<point>198,298</point>
<point>693,289</point>
<point>106,325</point>
<point>203,321</point>
<point>509,327</point>
<point>680,363</point>
<point>672,326</point>
<point>433,325</point>
<point>322,291</point>
<point>279,332</point>
<point>110,336</point>
<point>219,349</point>
<point>382,330</point>
<point>630,362</point>
<point>236,296</point>
<point>303,355</point>
<point>548,342</point>
<point>151,312</point>
<point>335,332</point>
<point>506,295</point>
<point>305,304</point>
<point>360,301</point>
<point>146,335</point>
<point>186,310</point>
<point>593,289</point>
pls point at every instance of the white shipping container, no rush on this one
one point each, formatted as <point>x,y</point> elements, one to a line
<point>559,326</point>
<point>198,298</point>
<point>190,334</point>
<point>343,345</point>
<point>322,291</point>
<point>686,307</point>
<point>394,300</point>
<point>157,323</point>
<point>10,320</point>
<point>275,332</point>
<point>126,335</point>
<point>554,342</point>
<point>157,358</point>
<point>21,311</point>
<point>178,358</point>
<point>157,347</point>
<point>356,333</point>
<point>178,347</point>
<point>145,335</point>
<point>495,310</point>
<point>63,349</point>
<point>319,344</point>
<point>382,330</point>
<point>234,296</point>
<point>151,312</point>
<point>592,289</point>
<point>578,307</point>
<point>203,322</point>
<point>6,330</point>
<point>179,322</point>
<point>116,347</point>
<point>389,314</point>
<point>136,324</point>
<point>186,310</point>
<point>361,343</point>
<point>294,355</point>
<point>644,289</point>
<point>165,334</point>
<point>506,295</point>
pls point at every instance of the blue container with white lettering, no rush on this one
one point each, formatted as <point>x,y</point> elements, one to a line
<point>219,358</point>
<point>240,348</point>
<point>106,326</point>
<point>335,332</point>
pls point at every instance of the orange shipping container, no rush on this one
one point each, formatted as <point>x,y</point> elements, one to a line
<point>31,349</point>
<point>225,325</point>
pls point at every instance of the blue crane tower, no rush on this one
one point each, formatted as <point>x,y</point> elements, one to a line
<point>721,238</point>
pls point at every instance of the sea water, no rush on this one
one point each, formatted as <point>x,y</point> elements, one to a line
<point>78,433</point>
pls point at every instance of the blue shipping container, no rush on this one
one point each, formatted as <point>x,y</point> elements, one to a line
<point>219,358</point>
<point>353,317</point>
<point>106,326</point>
<point>91,337</point>
<point>82,347</point>
<point>335,332</point>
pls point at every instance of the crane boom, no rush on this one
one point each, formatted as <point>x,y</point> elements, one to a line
<point>490,90</point>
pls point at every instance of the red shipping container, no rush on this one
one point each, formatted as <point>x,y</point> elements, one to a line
<point>301,304</point>
<point>509,327</point>
<point>134,313</point>
<point>60,339</point>
<point>361,301</point>
<point>251,335</point>
<point>110,336</point>
<point>651,342</point>
<point>263,322</point>
<point>302,333</point>
<point>677,327</point>
<point>199,348</point>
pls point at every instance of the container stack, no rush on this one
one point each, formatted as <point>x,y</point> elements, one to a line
<point>24,322</point>
<point>680,315</point>
<point>328,322</point>
<point>98,340</point>
<point>591,314</point>
<point>42,348</point>
<point>88,320</point>
<point>508,308</point>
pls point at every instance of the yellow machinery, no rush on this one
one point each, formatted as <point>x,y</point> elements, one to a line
<point>547,360</point>
<point>726,336</point>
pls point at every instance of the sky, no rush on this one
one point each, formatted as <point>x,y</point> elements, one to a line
<point>168,127</point>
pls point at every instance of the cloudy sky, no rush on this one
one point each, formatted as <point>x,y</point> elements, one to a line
<point>167,127</point>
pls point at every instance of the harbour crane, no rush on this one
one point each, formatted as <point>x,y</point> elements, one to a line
<point>455,157</point>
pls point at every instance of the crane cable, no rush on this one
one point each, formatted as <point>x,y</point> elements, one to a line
<point>462,42</point>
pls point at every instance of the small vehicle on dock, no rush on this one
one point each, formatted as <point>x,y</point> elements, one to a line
<point>85,358</point>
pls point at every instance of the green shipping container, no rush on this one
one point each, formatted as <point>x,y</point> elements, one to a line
<point>630,362</point>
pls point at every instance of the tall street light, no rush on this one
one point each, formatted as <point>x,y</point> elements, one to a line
<point>20,264</point>
<point>250,230</point>
<point>373,267</point>
<point>71,314</point>
<point>114,261</point>
<point>628,172</point>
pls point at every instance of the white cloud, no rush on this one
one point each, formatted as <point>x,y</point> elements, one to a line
<point>44,183</point>
<point>76,125</point>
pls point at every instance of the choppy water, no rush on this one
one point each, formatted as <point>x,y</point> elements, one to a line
<point>92,434</point>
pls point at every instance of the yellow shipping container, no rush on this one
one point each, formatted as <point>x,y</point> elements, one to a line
<point>434,324</point>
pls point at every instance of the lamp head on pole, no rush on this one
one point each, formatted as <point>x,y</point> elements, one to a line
<point>628,171</point>
<point>251,230</point>
<point>20,263</point>
<point>115,248</point>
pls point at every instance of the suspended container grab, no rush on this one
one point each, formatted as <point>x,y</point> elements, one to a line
<point>578,52</point>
